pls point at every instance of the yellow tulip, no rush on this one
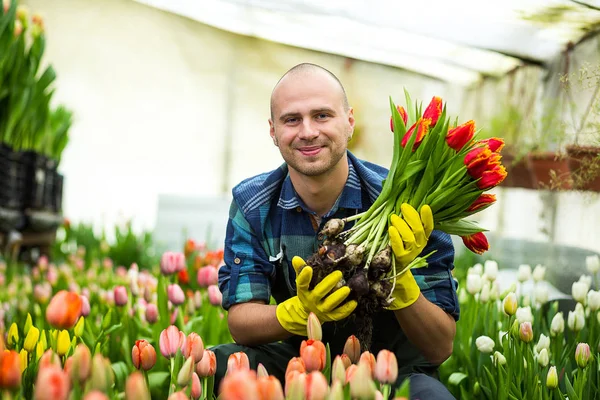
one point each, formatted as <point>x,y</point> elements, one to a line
<point>39,350</point>
<point>64,343</point>
<point>23,356</point>
<point>31,339</point>
<point>78,330</point>
<point>13,335</point>
<point>28,324</point>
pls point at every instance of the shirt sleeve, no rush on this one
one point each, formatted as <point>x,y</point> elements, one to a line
<point>436,281</point>
<point>246,274</point>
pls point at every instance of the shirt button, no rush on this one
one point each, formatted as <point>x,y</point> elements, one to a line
<point>299,209</point>
<point>237,260</point>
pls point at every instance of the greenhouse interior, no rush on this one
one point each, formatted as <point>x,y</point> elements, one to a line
<point>284,199</point>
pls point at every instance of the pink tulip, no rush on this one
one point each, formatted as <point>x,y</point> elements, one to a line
<point>207,276</point>
<point>316,386</point>
<point>582,355</point>
<point>369,359</point>
<point>207,365</point>
<point>239,385</point>
<point>42,292</point>
<point>52,383</point>
<point>151,313</point>
<point>193,346</point>
<point>178,396</point>
<point>85,306</point>
<point>386,368</point>
<point>238,361</point>
<point>174,316</point>
<point>171,340</point>
<point>120,296</point>
<point>196,387</point>
<point>172,262</point>
<point>175,294</point>
<point>95,395</point>
<point>214,295</point>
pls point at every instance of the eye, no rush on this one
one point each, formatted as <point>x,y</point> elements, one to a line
<point>322,116</point>
<point>291,120</point>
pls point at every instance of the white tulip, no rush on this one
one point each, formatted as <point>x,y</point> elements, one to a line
<point>576,321</point>
<point>524,314</point>
<point>592,263</point>
<point>579,291</point>
<point>541,294</point>
<point>543,343</point>
<point>539,272</point>
<point>524,273</point>
<point>484,296</point>
<point>491,269</point>
<point>476,269</point>
<point>463,297</point>
<point>495,291</point>
<point>593,300</point>
<point>484,344</point>
<point>501,336</point>
<point>579,309</point>
<point>474,283</point>
<point>543,358</point>
<point>587,279</point>
<point>499,358</point>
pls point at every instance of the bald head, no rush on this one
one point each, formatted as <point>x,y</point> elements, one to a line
<point>304,70</point>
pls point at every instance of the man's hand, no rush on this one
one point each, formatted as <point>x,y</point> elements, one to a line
<point>293,313</point>
<point>408,237</point>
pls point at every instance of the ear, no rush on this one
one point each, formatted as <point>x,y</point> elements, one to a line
<point>272,132</point>
<point>351,121</point>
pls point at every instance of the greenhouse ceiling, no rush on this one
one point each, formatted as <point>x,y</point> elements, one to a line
<point>459,41</point>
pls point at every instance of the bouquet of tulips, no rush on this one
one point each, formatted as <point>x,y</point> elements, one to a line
<point>435,162</point>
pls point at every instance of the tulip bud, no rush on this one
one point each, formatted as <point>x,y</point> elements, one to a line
<point>543,343</point>
<point>474,284</point>
<point>484,295</point>
<point>484,344</point>
<point>499,358</point>
<point>524,314</point>
<point>175,294</point>
<point>31,339</point>
<point>352,349</point>
<point>579,291</point>
<point>477,242</point>
<point>592,263</point>
<point>81,367</point>
<point>151,313</point>
<point>171,340</point>
<point>51,383</point>
<point>576,321</point>
<point>136,388</point>
<point>539,272</point>
<point>557,326</point>
<point>12,338</point>
<point>207,365</point>
<point>49,358</point>
<point>120,295</point>
<point>543,358</point>
<point>316,385</point>
<point>526,332</point>
<point>593,300</point>
<point>295,385</point>
<point>185,373</point>
<point>368,358</point>
<point>172,262</point>
<point>459,136</point>
<point>386,368</point>
<point>193,346</point>
<point>582,355</point>
<point>28,324</point>
<point>295,364</point>
<point>313,354</point>
<point>552,378</point>
<point>524,273</point>
<point>63,343</point>
<point>197,387</point>
<point>143,355</point>
<point>433,110</point>
<point>215,297</point>
<point>313,327</point>
<point>509,304</point>
<point>64,310</point>
<point>23,356</point>
<point>78,330</point>
<point>338,370</point>
<point>336,392</point>
<point>361,384</point>
<point>238,361</point>
<point>261,371</point>
<point>102,377</point>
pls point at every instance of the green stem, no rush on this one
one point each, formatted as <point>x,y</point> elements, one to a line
<point>354,217</point>
<point>171,383</point>
<point>359,233</point>
<point>377,235</point>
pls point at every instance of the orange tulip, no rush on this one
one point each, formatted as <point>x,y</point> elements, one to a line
<point>476,242</point>
<point>483,201</point>
<point>423,124</point>
<point>352,349</point>
<point>313,354</point>
<point>238,361</point>
<point>461,135</point>
<point>295,364</point>
<point>52,384</point>
<point>386,369</point>
<point>207,365</point>
<point>10,370</point>
<point>402,113</point>
<point>239,385</point>
<point>269,388</point>
<point>189,248</point>
<point>316,386</point>
<point>433,110</point>
<point>143,355</point>
<point>64,310</point>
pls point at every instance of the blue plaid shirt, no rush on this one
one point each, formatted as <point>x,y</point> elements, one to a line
<point>269,225</point>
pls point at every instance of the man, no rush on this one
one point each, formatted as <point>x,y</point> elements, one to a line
<point>276,216</point>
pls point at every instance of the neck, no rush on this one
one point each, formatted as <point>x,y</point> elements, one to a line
<point>319,193</point>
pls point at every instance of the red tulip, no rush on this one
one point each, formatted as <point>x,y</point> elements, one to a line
<point>492,178</point>
<point>423,124</point>
<point>64,310</point>
<point>143,355</point>
<point>483,201</point>
<point>433,110</point>
<point>461,135</point>
<point>476,242</point>
<point>495,144</point>
<point>402,113</point>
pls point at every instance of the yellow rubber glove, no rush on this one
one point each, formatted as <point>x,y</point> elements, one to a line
<point>292,314</point>
<point>408,237</point>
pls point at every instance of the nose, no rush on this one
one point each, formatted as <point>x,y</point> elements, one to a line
<point>308,130</point>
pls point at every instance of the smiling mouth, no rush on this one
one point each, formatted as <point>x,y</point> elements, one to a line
<point>310,151</point>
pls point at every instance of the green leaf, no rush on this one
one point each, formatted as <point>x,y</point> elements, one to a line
<point>570,390</point>
<point>121,373</point>
<point>404,389</point>
<point>456,378</point>
<point>157,379</point>
<point>164,318</point>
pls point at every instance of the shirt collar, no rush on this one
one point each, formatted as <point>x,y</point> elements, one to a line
<point>350,198</point>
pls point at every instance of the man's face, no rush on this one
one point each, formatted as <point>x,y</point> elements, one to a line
<point>310,126</point>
